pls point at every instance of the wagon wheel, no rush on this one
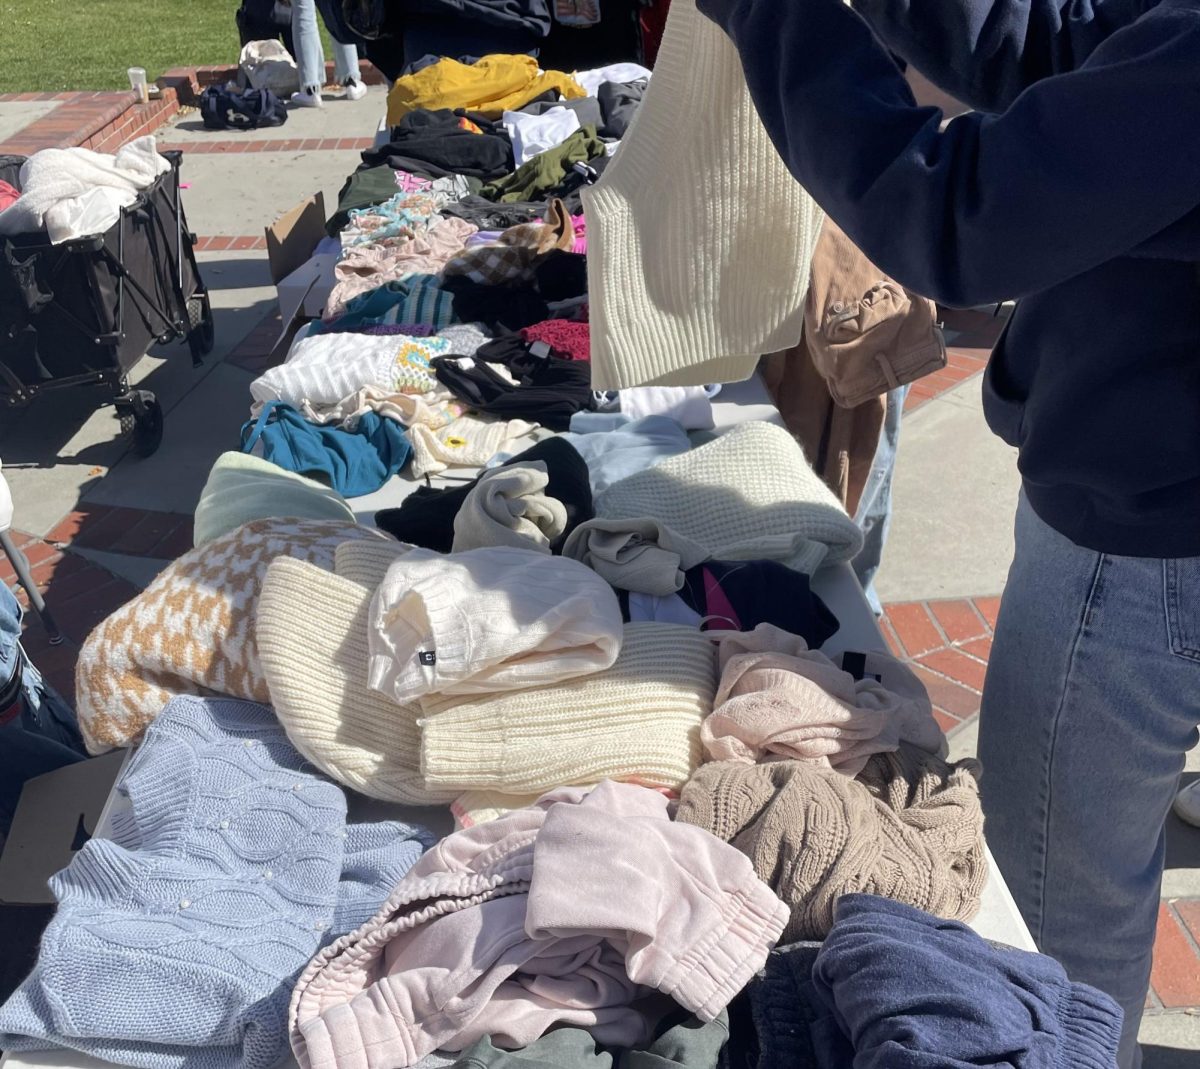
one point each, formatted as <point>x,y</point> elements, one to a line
<point>147,427</point>
<point>201,328</point>
<point>141,418</point>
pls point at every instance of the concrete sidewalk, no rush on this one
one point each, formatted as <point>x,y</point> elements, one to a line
<point>61,452</point>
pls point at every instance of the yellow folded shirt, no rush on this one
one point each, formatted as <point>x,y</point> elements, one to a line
<point>493,85</point>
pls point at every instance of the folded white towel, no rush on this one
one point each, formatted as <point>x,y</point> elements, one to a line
<point>74,192</point>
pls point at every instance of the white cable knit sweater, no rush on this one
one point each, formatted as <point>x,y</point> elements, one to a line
<point>699,239</point>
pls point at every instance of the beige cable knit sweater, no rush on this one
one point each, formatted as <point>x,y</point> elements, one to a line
<point>909,828</point>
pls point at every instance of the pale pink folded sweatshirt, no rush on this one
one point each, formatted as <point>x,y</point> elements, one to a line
<point>779,699</point>
<point>574,911</point>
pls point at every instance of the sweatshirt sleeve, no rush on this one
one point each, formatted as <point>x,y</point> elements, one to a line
<point>1081,169</point>
<point>987,52</point>
<point>686,909</point>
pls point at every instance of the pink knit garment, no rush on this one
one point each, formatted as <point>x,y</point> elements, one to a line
<point>511,927</point>
<point>779,699</point>
<point>568,340</point>
<point>411,183</point>
<point>423,250</point>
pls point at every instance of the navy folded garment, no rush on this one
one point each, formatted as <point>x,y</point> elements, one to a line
<point>773,1020</point>
<point>740,595</point>
<point>910,991</point>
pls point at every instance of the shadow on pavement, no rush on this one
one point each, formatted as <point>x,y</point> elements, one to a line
<point>35,436</point>
<point>1154,1057</point>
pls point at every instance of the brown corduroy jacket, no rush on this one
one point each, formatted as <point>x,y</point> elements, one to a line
<point>864,334</point>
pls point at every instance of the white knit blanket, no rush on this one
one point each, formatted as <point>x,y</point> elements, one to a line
<point>73,192</point>
<point>323,369</point>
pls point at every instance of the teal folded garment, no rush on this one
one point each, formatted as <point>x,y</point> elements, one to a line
<point>353,463</point>
<point>242,488</point>
<point>417,299</point>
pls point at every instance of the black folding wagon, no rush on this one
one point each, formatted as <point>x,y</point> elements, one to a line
<point>84,312</point>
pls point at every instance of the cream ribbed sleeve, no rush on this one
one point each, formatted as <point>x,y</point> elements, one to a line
<point>638,720</point>
<point>486,621</point>
<point>699,239</point>
<point>312,634</point>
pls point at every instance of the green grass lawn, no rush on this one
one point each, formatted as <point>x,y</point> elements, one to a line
<point>54,45</point>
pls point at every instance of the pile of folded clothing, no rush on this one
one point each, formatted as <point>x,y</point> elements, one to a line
<point>571,645</point>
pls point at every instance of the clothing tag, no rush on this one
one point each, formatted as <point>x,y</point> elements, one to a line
<point>465,362</point>
<point>539,349</point>
<point>427,657</point>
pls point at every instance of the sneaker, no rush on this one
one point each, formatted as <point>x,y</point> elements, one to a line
<point>307,98</point>
<point>1187,804</point>
<point>355,90</point>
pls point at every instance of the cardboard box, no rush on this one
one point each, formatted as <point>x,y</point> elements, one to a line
<point>57,814</point>
<point>301,271</point>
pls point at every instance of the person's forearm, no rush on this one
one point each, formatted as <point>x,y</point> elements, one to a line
<point>1081,169</point>
<point>987,52</point>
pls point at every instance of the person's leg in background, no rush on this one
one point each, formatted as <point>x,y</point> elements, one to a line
<point>874,513</point>
<point>310,55</point>
<point>346,72</point>
<point>1091,701</point>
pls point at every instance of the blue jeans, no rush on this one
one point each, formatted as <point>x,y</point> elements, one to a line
<point>41,734</point>
<point>874,513</point>
<point>1092,699</point>
<point>310,55</point>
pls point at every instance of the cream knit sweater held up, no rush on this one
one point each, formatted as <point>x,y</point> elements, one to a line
<point>699,239</point>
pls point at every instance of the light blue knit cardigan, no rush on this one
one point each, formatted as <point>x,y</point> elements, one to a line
<point>177,942</point>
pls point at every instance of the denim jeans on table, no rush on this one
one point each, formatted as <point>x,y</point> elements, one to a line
<point>40,733</point>
<point>1091,701</point>
<point>874,513</point>
<point>310,55</point>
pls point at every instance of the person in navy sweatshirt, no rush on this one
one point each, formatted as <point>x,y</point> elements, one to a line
<point>1074,188</point>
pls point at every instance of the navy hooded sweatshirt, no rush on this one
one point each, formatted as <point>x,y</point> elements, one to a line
<point>1075,189</point>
